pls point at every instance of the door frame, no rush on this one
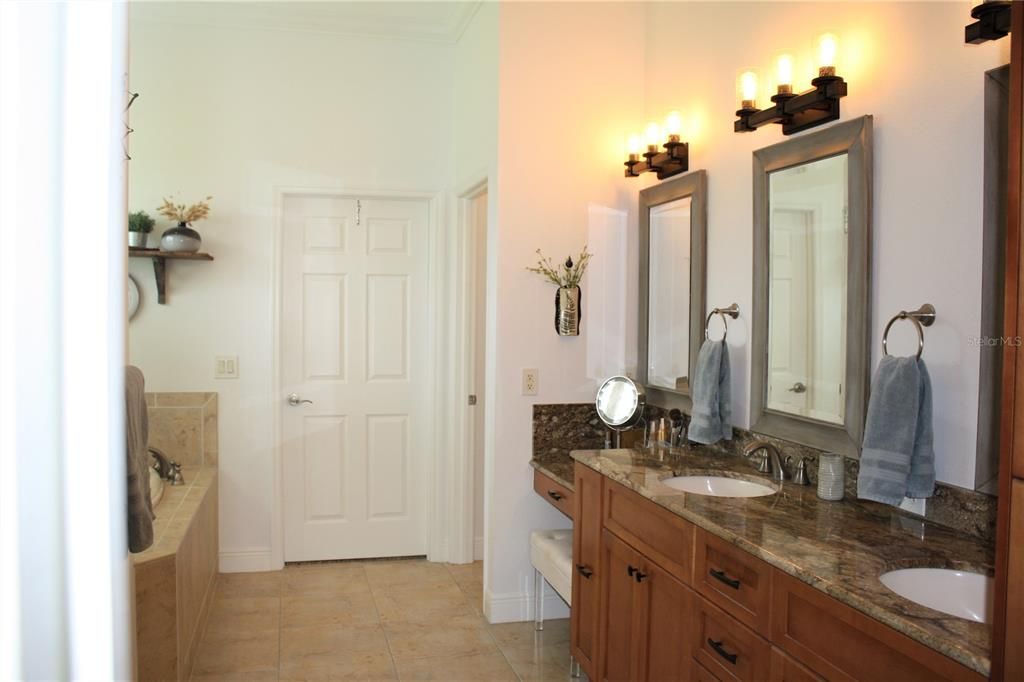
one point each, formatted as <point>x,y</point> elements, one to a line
<point>436,314</point>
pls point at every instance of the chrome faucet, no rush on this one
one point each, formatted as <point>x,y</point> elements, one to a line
<point>769,462</point>
<point>168,469</point>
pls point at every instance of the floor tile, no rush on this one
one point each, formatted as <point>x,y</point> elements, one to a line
<point>555,632</point>
<point>539,662</point>
<point>407,572</point>
<point>422,605</point>
<point>459,636</point>
<point>342,609</point>
<point>250,676</point>
<point>237,652</point>
<point>320,580</point>
<point>467,573</point>
<point>474,592</point>
<point>243,614</point>
<point>371,667</point>
<point>315,647</point>
<point>483,667</point>
<point>265,584</point>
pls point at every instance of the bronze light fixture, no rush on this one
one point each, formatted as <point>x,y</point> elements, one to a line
<point>993,22</point>
<point>795,113</point>
<point>673,160</point>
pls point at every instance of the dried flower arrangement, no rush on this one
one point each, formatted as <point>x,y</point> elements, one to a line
<point>568,274</point>
<point>185,214</point>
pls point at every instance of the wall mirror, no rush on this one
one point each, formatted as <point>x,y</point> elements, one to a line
<point>673,234</point>
<point>812,269</point>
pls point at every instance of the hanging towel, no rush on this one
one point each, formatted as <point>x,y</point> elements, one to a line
<point>712,399</point>
<point>140,507</point>
<point>898,459</point>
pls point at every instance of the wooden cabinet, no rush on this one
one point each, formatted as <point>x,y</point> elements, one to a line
<point>657,599</point>
<point>643,618</point>
<point>554,492</point>
<point>841,643</point>
<point>586,553</point>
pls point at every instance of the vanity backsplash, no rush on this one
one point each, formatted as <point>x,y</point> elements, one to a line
<point>561,428</point>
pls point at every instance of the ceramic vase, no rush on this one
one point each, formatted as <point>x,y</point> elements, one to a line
<point>181,239</point>
<point>568,310</point>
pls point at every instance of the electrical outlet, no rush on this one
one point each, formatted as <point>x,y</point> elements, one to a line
<point>531,381</point>
<point>225,367</point>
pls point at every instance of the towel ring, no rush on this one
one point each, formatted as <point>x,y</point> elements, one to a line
<point>925,315</point>
<point>732,311</point>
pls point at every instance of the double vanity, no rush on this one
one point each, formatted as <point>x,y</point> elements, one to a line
<point>690,564</point>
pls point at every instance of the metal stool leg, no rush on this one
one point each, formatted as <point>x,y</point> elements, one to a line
<point>538,599</point>
<point>574,667</point>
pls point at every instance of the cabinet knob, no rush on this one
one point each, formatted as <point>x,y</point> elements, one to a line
<point>555,495</point>
<point>584,571</point>
<point>640,577</point>
<point>630,570</point>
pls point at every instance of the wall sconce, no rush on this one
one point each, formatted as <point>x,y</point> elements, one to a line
<point>674,160</point>
<point>794,112</point>
<point>993,22</point>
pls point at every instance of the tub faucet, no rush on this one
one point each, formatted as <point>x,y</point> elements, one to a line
<point>769,462</point>
<point>168,469</point>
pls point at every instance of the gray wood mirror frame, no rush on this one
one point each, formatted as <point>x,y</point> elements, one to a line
<point>810,363</point>
<point>673,238</point>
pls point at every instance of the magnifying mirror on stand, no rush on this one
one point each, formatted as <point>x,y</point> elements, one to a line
<point>620,405</point>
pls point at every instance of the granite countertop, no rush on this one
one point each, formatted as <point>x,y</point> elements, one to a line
<point>558,469</point>
<point>839,548</point>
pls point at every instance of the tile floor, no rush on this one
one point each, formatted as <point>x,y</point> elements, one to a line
<point>374,620</point>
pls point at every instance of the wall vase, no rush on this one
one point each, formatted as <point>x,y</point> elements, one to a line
<point>182,239</point>
<point>568,311</point>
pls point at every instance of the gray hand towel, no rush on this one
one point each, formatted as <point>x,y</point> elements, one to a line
<point>712,396</point>
<point>140,506</point>
<point>897,459</point>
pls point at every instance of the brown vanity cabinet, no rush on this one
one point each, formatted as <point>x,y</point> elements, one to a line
<point>657,599</point>
<point>554,492</point>
<point>586,555</point>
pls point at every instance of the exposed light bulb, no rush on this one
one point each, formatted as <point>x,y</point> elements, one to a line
<point>633,145</point>
<point>784,73</point>
<point>748,89</point>
<point>827,49</point>
<point>674,124</point>
<point>652,135</point>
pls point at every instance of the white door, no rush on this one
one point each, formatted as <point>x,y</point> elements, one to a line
<point>788,380</point>
<point>355,345</point>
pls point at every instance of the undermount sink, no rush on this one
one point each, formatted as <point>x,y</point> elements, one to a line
<point>958,593</point>
<point>718,486</point>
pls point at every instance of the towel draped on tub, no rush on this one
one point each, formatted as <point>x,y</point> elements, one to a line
<point>898,458</point>
<point>140,507</point>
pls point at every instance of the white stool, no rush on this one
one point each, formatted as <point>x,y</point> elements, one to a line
<point>551,556</point>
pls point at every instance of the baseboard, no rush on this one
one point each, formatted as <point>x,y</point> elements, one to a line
<point>478,549</point>
<point>515,607</point>
<point>247,561</point>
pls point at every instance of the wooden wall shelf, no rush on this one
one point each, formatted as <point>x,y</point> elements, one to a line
<point>160,259</point>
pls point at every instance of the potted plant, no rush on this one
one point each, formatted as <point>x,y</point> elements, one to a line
<point>569,298</point>
<point>183,238</point>
<point>140,224</point>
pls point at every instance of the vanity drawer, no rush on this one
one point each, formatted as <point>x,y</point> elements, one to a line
<point>840,643</point>
<point>786,669</point>
<point>699,673</point>
<point>657,533</point>
<point>726,647</point>
<point>554,492</point>
<point>734,580</point>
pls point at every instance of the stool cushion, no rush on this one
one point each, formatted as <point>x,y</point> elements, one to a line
<point>551,554</point>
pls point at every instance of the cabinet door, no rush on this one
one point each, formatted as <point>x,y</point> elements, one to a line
<point>620,615</point>
<point>664,646</point>
<point>586,579</point>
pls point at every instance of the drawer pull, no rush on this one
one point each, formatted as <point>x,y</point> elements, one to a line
<point>630,570</point>
<point>584,571</point>
<point>640,577</point>
<point>722,577</point>
<point>555,495</point>
<point>720,650</point>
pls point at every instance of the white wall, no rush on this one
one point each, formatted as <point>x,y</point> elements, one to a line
<point>238,113</point>
<point>567,93</point>
<point>906,64</point>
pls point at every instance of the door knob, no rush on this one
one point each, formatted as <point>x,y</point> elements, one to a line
<point>798,387</point>
<point>295,400</point>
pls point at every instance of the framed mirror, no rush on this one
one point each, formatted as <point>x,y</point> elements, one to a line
<point>812,268</point>
<point>673,238</point>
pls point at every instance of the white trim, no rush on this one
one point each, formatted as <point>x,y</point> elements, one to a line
<point>478,548</point>
<point>248,561</point>
<point>515,607</point>
<point>436,523</point>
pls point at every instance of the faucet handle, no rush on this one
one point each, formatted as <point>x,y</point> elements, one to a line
<point>800,473</point>
<point>764,461</point>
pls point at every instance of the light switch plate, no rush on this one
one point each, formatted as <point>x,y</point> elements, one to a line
<point>531,381</point>
<point>225,367</point>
